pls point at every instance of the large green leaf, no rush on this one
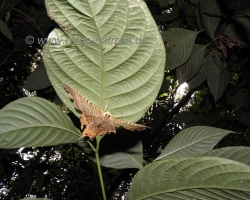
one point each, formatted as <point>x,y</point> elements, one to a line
<point>33,121</point>
<point>191,141</point>
<point>126,76</point>
<point>217,77</point>
<point>210,16</point>
<point>193,65</point>
<point>179,47</point>
<point>192,178</point>
<point>240,154</point>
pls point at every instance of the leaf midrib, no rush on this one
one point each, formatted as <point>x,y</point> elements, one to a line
<point>102,56</point>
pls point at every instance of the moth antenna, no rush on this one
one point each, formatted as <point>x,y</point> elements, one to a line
<point>106,105</point>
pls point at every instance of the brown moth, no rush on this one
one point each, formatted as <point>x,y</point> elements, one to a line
<point>96,121</point>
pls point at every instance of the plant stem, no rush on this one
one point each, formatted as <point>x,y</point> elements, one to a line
<point>96,150</point>
<point>100,175</point>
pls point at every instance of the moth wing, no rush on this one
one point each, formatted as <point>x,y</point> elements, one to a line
<point>82,104</point>
<point>87,119</point>
<point>128,125</point>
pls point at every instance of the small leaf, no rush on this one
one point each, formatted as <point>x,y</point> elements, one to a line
<point>239,154</point>
<point>192,178</point>
<point>7,17</point>
<point>38,79</point>
<point>243,117</point>
<point>119,151</point>
<point>184,117</point>
<point>210,16</point>
<point>193,65</point>
<point>217,78</point>
<point>33,122</point>
<point>179,47</point>
<point>191,141</point>
<point>5,30</point>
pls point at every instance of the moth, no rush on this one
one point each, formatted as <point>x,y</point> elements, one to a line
<point>94,120</point>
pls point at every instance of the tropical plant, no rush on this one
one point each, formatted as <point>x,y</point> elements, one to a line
<point>112,53</point>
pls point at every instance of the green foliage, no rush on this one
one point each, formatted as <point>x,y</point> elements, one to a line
<point>185,72</point>
<point>201,177</point>
<point>114,68</point>
<point>183,173</point>
<point>217,78</point>
<point>239,154</point>
<point>119,151</point>
<point>191,141</point>
<point>176,39</point>
<point>208,16</point>
<point>5,30</point>
<point>207,47</point>
<point>32,122</point>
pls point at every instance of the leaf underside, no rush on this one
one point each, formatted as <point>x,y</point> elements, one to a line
<point>192,178</point>
<point>191,141</point>
<point>32,122</point>
<point>123,77</point>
